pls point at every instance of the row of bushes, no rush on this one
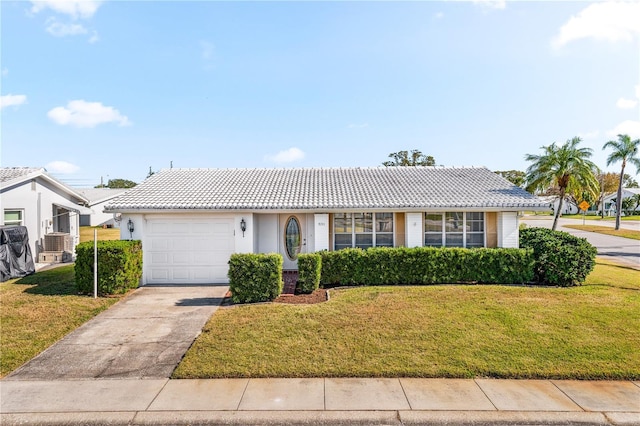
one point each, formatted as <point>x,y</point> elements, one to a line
<point>119,268</point>
<point>546,257</point>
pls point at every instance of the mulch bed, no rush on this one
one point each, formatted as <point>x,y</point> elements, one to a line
<point>318,296</point>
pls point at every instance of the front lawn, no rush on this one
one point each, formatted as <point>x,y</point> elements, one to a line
<point>586,332</point>
<point>607,230</point>
<point>38,310</point>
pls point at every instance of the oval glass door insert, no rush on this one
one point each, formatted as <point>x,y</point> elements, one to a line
<point>292,238</point>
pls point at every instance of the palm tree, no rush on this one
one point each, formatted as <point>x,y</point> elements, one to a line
<point>566,168</point>
<point>624,149</point>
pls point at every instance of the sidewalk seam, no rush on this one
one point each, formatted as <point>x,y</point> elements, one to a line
<point>405,397</point>
<point>242,396</point>
<point>155,397</point>
<point>565,394</point>
<point>485,394</point>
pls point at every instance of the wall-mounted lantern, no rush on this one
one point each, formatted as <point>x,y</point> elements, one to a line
<point>243,226</point>
<point>130,227</point>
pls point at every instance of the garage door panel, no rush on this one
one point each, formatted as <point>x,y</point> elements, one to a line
<point>159,244</point>
<point>188,251</point>
<point>159,258</point>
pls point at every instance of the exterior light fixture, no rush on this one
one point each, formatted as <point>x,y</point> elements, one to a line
<point>130,227</point>
<point>243,226</point>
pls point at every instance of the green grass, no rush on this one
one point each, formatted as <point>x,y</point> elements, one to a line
<point>38,310</point>
<point>625,233</point>
<point>586,332</point>
<point>597,217</point>
<point>86,233</point>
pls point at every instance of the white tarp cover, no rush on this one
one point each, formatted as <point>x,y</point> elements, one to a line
<point>15,255</point>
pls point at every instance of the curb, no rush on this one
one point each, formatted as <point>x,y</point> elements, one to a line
<point>337,418</point>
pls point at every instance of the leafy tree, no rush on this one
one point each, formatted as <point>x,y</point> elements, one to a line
<point>625,150</point>
<point>516,177</point>
<point>409,158</point>
<point>567,167</point>
<point>120,183</point>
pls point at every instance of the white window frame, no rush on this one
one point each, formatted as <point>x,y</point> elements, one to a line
<point>19,222</point>
<point>443,229</point>
<point>373,232</point>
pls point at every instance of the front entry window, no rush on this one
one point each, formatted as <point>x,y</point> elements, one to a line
<point>292,238</point>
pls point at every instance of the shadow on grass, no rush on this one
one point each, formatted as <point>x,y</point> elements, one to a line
<point>52,282</point>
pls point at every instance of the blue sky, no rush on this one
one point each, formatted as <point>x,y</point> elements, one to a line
<point>108,89</point>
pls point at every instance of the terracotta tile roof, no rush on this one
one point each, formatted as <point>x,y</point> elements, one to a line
<point>325,189</point>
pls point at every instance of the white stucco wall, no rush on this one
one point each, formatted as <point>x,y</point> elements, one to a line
<point>508,232</point>
<point>36,199</point>
<point>98,217</point>
<point>267,233</point>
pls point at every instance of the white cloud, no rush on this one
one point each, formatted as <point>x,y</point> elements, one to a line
<point>59,29</point>
<point>94,37</point>
<point>12,100</point>
<point>638,91</point>
<point>80,113</point>
<point>626,103</point>
<point>611,21</point>
<point>75,8</point>
<point>358,126</point>
<point>628,127</point>
<point>61,167</point>
<point>491,4</point>
<point>287,156</point>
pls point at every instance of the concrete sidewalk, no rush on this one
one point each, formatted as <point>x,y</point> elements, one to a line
<point>321,401</point>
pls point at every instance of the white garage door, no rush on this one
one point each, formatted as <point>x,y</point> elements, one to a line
<point>188,251</point>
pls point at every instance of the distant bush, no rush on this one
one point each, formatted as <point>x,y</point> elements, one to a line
<point>426,265</point>
<point>119,266</point>
<point>560,258</point>
<point>255,277</point>
<point>309,272</point>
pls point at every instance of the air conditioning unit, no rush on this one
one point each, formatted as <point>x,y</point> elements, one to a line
<point>58,241</point>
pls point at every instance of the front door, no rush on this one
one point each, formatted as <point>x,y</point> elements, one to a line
<point>293,239</point>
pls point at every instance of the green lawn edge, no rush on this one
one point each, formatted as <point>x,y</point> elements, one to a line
<point>450,331</point>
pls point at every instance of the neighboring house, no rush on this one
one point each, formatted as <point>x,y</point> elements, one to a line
<point>191,220</point>
<point>98,198</point>
<point>609,201</point>
<point>48,208</point>
<point>568,205</point>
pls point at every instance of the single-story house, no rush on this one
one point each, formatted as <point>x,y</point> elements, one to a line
<point>47,207</point>
<point>98,198</point>
<point>609,201</point>
<point>191,220</point>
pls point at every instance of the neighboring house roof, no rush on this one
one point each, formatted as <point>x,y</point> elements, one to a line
<point>324,189</point>
<point>626,192</point>
<point>11,176</point>
<point>100,195</point>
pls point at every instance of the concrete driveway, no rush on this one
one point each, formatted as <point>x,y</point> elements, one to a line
<point>617,249</point>
<point>144,336</point>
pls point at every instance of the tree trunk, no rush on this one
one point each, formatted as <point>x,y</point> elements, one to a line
<point>619,198</point>
<point>555,220</point>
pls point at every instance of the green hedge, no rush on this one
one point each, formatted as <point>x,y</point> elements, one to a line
<point>560,258</point>
<point>426,265</point>
<point>255,277</point>
<point>309,272</point>
<point>119,266</point>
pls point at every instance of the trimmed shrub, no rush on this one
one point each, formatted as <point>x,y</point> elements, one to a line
<point>426,265</point>
<point>309,272</point>
<point>255,277</point>
<point>560,258</point>
<point>119,266</point>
